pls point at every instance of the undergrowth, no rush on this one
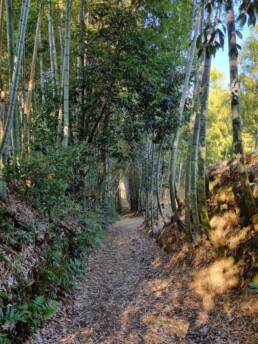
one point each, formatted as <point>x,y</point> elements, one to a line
<point>44,258</point>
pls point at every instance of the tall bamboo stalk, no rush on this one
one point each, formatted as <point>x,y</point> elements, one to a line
<point>204,96</point>
<point>194,174</point>
<point>13,93</point>
<point>42,78</point>
<point>1,39</point>
<point>151,188</point>
<point>67,73</point>
<point>236,116</point>
<point>157,186</point>
<point>60,31</point>
<point>80,67</point>
<point>27,106</point>
<point>10,39</point>
<point>51,40</point>
<point>189,61</point>
<point>194,110</point>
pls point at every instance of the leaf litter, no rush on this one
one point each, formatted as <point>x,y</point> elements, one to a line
<point>134,293</point>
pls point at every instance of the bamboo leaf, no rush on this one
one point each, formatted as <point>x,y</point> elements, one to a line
<point>242,18</point>
<point>239,34</point>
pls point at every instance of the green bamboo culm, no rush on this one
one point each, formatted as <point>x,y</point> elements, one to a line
<point>67,73</point>
<point>27,105</point>
<point>175,142</point>
<point>51,39</point>
<point>236,117</point>
<point>1,39</point>
<point>41,70</point>
<point>204,96</point>
<point>194,173</point>
<point>192,138</point>
<point>13,96</point>
<point>15,133</point>
<point>151,190</point>
<point>157,185</point>
<point>188,178</point>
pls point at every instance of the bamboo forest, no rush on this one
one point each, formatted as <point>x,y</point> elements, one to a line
<point>128,171</point>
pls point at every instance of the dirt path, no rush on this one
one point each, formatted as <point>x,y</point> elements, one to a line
<point>133,296</point>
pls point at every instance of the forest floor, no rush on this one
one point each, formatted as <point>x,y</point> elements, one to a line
<point>134,293</point>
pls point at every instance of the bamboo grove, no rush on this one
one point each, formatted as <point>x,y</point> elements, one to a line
<point>122,88</point>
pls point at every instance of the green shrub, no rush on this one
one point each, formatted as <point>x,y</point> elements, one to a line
<point>25,318</point>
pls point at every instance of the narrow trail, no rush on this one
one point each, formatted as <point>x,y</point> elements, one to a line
<point>132,295</point>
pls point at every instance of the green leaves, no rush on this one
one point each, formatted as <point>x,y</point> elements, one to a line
<point>239,34</point>
<point>211,40</point>
<point>234,51</point>
<point>254,287</point>
<point>27,316</point>
<point>248,9</point>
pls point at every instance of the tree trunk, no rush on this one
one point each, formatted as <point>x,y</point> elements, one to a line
<point>151,190</point>
<point>13,94</point>
<point>60,31</point>
<point>1,39</point>
<point>193,139</point>
<point>27,106</point>
<point>194,173</point>
<point>204,96</point>
<point>190,56</point>
<point>236,117</point>
<point>51,39</point>
<point>42,78</point>
<point>67,73</point>
<point>157,186</point>
<point>10,39</point>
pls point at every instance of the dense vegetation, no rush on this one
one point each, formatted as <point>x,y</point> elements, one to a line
<point>96,92</point>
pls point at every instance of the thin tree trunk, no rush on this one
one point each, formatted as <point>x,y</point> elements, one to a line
<point>13,94</point>
<point>151,189</point>
<point>42,78</point>
<point>204,96</point>
<point>147,209</point>
<point>61,83</point>
<point>194,151</point>
<point>157,186</point>
<point>3,193</point>
<point>236,117</point>
<point>180,167</point>
<point>67,73</point>
<point>180,114</point>
<point>51,40</point>
<point>27,106</point>
<point>194,172</point>
<point>81,67</point>
<point>2,114</point>
<point>60,22</point>
<point>193,131</point>
<point>1,39</point>
<point>10,40</point>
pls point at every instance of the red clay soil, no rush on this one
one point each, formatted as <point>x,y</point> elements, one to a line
<point>135,293</point>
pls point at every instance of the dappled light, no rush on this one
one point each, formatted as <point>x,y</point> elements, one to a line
<point>215,279</point>
<point>128,172</point>
<point>163,301</point>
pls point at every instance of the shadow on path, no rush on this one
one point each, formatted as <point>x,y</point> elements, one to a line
<point>132,295</point>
